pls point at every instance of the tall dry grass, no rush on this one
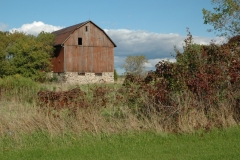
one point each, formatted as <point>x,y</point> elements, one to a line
<point>119,114</point>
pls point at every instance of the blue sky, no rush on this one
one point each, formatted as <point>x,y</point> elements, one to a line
<point>149,27</point>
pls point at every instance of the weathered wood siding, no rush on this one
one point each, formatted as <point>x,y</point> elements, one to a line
<point>58,60</point>
<point>96,54</point>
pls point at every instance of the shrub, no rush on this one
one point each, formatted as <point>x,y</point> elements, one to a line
<point>204,79</point>
<point>21,88</point>
<point>115,75</point>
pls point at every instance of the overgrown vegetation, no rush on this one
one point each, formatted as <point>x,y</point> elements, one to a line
<point>18,88</point>
<point>199,91</point>
<point>202,83</point>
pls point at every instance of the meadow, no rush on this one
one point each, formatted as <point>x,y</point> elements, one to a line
<point>119,123</point>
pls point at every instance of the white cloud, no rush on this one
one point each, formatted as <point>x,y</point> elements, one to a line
<point>155,46</point>
<point>130,42</point>
<point>152,62</point>
<point>36,27</point>
<point>3,27</point>
<point>205,41</point>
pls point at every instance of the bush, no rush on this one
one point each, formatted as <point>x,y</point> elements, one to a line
<point>203,81</point>
<point>115,75</point>
<point>18,87</point>
<point>210,72</point>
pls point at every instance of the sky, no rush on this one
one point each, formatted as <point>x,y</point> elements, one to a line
<point>138,27</point>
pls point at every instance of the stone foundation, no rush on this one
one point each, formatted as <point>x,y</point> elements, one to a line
<point>85,78</point>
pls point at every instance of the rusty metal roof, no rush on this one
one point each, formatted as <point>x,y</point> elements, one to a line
<point>63,34</point>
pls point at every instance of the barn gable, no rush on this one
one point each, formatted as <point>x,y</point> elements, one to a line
<point>64,34</point>
<point>83,51</point>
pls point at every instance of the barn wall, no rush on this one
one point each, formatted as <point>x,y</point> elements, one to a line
<point>95,55</point>
<point>58,60</point>
<point>89,59</point>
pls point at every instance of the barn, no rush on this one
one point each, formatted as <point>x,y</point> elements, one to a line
<point>84,53</point>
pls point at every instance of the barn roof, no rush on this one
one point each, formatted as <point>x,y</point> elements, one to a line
<point>63,34</point>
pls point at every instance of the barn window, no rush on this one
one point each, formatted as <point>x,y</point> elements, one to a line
<point>79,41</point>
<point>81,73</point>
<point>98,74</point>
<point>86,28</point>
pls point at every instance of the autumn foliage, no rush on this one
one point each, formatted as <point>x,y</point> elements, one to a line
<point>204,78</point>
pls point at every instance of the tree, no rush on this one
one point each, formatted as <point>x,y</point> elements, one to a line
<point>115,75</point>
<point>3,45</point>
<point>225,18</point>
<point>135,65</point>
<point>26,55</point>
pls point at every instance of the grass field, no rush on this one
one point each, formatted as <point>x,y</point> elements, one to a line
<point>216,144</point>
<point>119,123</point>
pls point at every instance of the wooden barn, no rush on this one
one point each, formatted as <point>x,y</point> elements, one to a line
<point>84,53</point>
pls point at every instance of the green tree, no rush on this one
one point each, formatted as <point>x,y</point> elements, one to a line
<point>3,45</point>
<point>135,65</point>
<point>26,55</point>
<point>115,75</point>
<point>225,17</point>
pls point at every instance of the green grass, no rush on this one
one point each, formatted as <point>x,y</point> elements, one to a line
<point>217,144</point>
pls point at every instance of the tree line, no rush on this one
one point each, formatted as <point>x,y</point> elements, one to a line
<point>25,54</point>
